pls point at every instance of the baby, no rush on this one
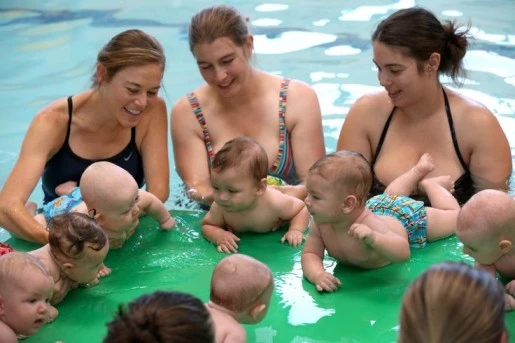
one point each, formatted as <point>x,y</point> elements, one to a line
<point>162,317</point>
<point>242,200</point>
<point>453,302</point>
<point>373,233</point>
<point>75,252</point>
<point>486,227</point>
<point>25,291</point>
<point>241,289</point>
<point>110,194</point>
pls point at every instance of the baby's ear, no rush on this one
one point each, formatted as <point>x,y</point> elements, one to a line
<point>67,266</point>
<point>256,310</point>
<point>2,309</point>
<point>262,185</point>
<point>505,246</point>
<point>349,204</point>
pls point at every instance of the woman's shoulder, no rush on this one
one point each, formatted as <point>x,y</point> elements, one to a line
<point>468,111</point>
<point>54,114</point>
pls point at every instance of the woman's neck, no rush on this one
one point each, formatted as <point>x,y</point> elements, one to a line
<point>428,103</point>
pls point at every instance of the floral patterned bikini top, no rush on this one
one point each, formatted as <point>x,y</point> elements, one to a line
<point>283,166</point>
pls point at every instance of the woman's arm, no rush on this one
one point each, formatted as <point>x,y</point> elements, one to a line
<point>43,139</point>
<point>191,159</point>
<point>154,152</point>
<point>490,155</point>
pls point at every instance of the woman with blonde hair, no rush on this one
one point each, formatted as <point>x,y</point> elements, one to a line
<point>455,303</point>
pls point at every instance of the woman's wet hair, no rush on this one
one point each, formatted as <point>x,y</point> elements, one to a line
<point>70,233</point>
<point>162,317</point>
<point>216,22</point>
<point>419,33</point>
<point>453,302</point>
<point>129,49</point>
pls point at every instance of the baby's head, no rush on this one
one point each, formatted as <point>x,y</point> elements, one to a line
<point>26,288</point>
<point>486,226</point>
<point>162,317</point>
<point>78,245</point>
<point>238,173</point>
<point>453,302</point>
<point>244,286</point>
<point>111,195</point>
<point>337,184</point>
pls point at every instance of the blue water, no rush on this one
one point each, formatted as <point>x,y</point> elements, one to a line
<point>48,51</point>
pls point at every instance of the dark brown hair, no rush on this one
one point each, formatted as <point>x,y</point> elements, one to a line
<point>128,49</point>
<point>453,303</point>
<point>349,171</point>
<point>216,22</point>
<point>69,233</point>
<point>419,33</point>
<point>162,317</point>
<point>243,153</point>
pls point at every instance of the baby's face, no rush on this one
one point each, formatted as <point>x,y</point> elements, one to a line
<point>86,268</point>
<point>25,302</point>
<point>484,250</point>
<point>322,201</point>
<point>233,190</point>
<point>121,218</point>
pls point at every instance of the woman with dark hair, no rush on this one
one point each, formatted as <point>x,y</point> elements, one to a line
<point>415,114</point>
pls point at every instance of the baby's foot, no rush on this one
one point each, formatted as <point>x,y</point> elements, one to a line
<point>445,181</point>
<point>32,207</point>
<point>104,271</point>
<point>424,165</point>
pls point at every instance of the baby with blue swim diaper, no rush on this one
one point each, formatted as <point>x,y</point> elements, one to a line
<point>111,195</point>
<point>486,227</point>
<point>26,288</point>
<point>376,232</point>
<point>244,203</point>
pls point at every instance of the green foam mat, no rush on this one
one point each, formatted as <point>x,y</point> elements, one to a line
<point>364,309</point>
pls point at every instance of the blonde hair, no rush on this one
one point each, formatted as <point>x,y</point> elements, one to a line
<point>238,282</point>
<point>348,171</point>
<point>14,263</point>
<point>129,48</point>
<point>455,303</point>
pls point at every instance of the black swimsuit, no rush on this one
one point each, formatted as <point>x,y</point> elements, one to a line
<point>463,186</point>
<point>66,166</point>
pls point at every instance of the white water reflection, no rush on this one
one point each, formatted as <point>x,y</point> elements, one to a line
<point>365,13</point>
<point>303,308</point>
<point>271,7</point>
<point>266,22</point>
<point>290,41</point>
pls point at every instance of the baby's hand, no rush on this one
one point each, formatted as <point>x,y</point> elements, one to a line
<point>169,224</point>
<point>509,302</point>
<point>363,233</point>
<point>294,237</point>
<point>327,282</point>
<point>104,271</point>
<point>51,314</point>
<point>227,242</point>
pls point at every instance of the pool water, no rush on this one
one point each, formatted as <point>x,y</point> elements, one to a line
<point>48,52</point>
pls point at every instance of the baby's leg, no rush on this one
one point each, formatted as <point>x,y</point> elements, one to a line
<point>407,182</point>
<point>443,213</point>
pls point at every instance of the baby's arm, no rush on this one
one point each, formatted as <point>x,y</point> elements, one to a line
<point>509,295</point>
<point>312,263</point>
<point>151,205</point>
<point>293,210</point>
<point>388,244</point>
<point>212,229</point>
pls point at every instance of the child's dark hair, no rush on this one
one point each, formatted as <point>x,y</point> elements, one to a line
<point>162,317</point>
<point>242,153</point>
<point>69,233</point>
